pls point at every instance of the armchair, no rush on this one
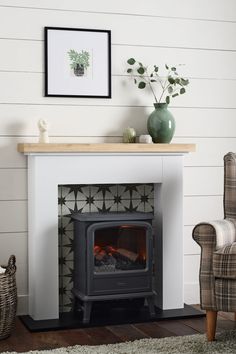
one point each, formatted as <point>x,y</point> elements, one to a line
<point>217,240</point>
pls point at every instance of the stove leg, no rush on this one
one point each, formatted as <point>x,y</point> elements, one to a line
<point>87,311</point>
<point>150,301</point>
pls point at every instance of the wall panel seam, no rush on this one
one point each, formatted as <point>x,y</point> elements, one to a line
<point>119,14</point>
<point>118,75</point>
<point>110,105</point>
<point>135,45</point>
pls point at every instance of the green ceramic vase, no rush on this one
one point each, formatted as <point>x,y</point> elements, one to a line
<point>161,124</point>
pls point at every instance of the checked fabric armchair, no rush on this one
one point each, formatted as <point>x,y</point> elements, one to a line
<point>217,240</point>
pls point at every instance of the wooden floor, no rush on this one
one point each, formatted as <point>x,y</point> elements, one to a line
<point>22,340</point>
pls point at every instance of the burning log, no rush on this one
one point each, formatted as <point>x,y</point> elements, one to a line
<point>108,258</point>
<point>99,256</point>
<point>128,254</point>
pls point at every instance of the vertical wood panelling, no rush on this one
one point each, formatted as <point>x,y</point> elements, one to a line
<point>197,33</point>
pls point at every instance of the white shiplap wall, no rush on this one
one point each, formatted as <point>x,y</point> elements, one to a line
<point>199,33</point>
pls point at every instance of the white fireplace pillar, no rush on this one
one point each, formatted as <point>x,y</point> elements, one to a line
<point>47,170</point>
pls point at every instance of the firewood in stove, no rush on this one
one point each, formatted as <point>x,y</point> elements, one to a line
<point>100,255</point>
<point>127,254</point>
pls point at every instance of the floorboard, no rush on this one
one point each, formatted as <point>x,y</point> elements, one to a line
<point>128,332</point>
<point>22,340</point>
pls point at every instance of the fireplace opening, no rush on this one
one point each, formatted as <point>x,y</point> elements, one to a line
<point>113,255</point>
<point>120,248</point>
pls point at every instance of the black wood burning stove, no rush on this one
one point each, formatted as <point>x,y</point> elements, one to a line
<point>112,258</point>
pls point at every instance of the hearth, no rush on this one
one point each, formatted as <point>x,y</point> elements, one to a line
<point>113,259</point>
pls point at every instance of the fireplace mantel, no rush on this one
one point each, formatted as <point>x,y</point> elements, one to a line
<point>28,148</point>
<point>50,165</point>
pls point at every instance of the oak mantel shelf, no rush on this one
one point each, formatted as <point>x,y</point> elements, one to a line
<point>28,148</point>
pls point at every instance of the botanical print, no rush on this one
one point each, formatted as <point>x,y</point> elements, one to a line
<point>79,62</point>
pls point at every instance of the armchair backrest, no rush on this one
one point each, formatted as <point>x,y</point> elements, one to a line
<point>230,185</point>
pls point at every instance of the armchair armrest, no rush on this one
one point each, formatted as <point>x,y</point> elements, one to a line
<point>217,233</point>
<point>211,236</point>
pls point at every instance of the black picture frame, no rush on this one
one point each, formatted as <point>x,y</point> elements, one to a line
<point>65,76</point>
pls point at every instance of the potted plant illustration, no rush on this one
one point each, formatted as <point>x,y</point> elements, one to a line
<point>161,123</point>
<point>79,62</point>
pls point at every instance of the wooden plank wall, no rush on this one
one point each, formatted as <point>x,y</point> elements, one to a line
<point>197,33</point>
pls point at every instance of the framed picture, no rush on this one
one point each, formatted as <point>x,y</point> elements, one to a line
<point>77,62</point>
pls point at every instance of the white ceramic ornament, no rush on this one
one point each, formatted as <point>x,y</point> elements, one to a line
<point>43,131</point>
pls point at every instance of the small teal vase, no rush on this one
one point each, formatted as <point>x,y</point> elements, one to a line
<point>161,124</point>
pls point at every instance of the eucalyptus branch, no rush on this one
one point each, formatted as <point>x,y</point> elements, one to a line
<point>150,85</point>
<point>173,82</point>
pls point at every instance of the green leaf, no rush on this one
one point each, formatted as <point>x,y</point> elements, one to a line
<point>171,80</point>
<point>141,70</point>
<point>175,94</point>
<point>129,71</point>
<point>142,85</point>
<point>156,68</point>
<point>167,67</point>
<point>173,68</point>
<point>184,82</point>
<point>131,61</point>
<point>153,80</point>
<point>135,81</point>
<point>167,99</point>
<point>170,89</point>
<point>140,64</point>
<point>177,80</point>
<point>182,90</point>
<point>151,75</point>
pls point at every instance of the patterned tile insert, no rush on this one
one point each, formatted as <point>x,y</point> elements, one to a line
<point>92,198</point>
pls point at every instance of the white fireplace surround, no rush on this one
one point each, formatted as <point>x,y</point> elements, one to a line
<point>47,170</point>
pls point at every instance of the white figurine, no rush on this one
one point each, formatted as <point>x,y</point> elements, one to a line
<point>43,131</point>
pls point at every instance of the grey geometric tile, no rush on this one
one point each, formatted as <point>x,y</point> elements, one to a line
<point>123,192</point>
<point>59,191</point>
<point>95,206</point>
<point>121,206</point>
<point>96,193</point>
<point>67,224</point>
<point>65,190</point>
<point>82,206</point>
<point>59,210</point>
<point>67,301</point>
<point>110,205</point>
<point>124,205</point>
<point>70,196</point>
<point>67,238</point>
<point>149,191</point>
<point>103,191</point>
<point>140,189</point>
<point>149,206</point>
<point>68,207</point>
<point>67,254</point>
<point>67,269</point>
<point>83,193</point>
<point>138,205</point>
<point>67,283</point>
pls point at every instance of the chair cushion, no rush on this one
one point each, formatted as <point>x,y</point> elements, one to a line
<point>224,262</point>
